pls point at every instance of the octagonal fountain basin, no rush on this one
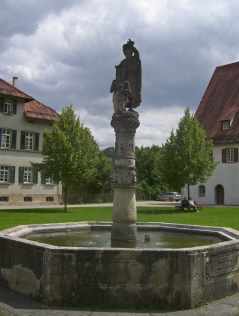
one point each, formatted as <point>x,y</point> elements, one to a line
<point>155,272</point>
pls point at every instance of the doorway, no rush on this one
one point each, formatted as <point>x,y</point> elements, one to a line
<point>219,194</point>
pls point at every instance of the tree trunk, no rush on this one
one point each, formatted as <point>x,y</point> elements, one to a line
<point>188,191</point>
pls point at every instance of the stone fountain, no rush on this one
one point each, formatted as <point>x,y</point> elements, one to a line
<point>121,277</point>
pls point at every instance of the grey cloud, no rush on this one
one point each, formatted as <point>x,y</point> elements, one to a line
<point>180,44</point>
<point>23,17</point>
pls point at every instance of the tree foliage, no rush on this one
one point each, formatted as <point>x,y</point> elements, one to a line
<point>70,154</point>
<point>186,157</point>
<point>109,152</point>
<point>147,170</point>
<point>104,174</point>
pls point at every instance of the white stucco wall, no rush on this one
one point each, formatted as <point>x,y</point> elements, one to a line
<point>22,158</point>
<point>225,174</point>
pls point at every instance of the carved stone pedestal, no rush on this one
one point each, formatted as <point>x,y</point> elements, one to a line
<point>124,204</point>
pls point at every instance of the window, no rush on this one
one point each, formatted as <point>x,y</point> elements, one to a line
<point>49,181</point>
<point>8,138</point>
<point>225,125</point>
<point>49,199</point>
<point>229,155</point>
<point>8,106</point>
<point>30,141</point>
<point>201,190</point>
<point>4,198</point>
<point>4,174</point>
<point>5,138</point>
<point>28,175</point>
<point>27,199</point>
<point>7,174</point>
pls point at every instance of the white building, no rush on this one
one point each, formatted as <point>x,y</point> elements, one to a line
<point>23,121</point>
<point>218,112</point>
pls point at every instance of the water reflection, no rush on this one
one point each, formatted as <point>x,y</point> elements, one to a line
<point>101,239</point>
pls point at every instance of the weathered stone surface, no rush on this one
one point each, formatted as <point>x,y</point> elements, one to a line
<point>124,177</point>
<point>125,122</point>
<point>125,278</point>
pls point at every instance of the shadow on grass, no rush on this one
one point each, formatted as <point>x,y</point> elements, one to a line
<point>36,211</point>
<point>156,211</point>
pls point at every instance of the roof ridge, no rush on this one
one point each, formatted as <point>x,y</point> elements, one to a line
<point>16,88</point>
<point>230,64</point>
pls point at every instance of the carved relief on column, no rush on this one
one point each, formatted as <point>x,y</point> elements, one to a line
<point>125,122</point>
<point>125,145</point>
<point>124,177</point>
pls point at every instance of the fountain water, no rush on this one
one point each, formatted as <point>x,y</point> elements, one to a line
<point>103,190</point>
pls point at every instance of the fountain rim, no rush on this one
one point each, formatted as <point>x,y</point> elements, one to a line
<point>229,236</point>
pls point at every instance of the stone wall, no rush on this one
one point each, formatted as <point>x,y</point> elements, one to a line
<point>123,278</point>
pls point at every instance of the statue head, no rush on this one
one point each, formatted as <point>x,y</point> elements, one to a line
<point>120,73</point>
<point>128,48</point>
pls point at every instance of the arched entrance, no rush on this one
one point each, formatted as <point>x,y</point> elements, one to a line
<point>219,194</point>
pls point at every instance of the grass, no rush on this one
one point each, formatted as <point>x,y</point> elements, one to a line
<point>209,216</point>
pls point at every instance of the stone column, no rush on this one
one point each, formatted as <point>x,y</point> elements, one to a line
<point>124,204</point>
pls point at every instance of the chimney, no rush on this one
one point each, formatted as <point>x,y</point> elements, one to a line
<point>14,81</point>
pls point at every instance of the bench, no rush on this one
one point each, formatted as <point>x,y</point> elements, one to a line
<point>188,208</point>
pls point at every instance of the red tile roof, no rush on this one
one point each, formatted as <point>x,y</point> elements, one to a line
<point>32,108</point>
<point>221,103</point>
<point>8,89</point>
<point>37,110</point>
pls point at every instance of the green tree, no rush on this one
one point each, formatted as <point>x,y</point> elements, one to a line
<point>104,174</point>
<point>70,153</point>
<point>186,157</point>
<point>109,152</point>
<point>147,170</point>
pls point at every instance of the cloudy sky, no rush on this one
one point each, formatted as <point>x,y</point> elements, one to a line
<point>65,51</point>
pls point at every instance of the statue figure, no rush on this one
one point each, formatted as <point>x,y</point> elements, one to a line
<point>121,89</point>
<point>131,67</point>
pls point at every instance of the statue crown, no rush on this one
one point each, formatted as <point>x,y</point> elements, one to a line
<point>128,45</point>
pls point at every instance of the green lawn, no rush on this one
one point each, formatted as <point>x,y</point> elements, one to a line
<point>209,216</point>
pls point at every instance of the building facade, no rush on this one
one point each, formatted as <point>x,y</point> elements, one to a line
<point>23,121</point>
<point>218,112</point>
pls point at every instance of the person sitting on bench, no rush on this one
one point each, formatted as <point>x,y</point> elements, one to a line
<point>192,204</point>
<point>184,203</point>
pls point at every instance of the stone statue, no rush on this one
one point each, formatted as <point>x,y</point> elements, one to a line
<point>127,94</point>
<point>131,72</point>
<point>121,89</point>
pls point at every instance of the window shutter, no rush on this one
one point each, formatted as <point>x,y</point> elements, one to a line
<point>14,139</point>
<point>235,154</point>
<point>223,155</point>
<point>12,174</point>
<point>23,137</point>
<point>14,110</point>
<point>35,176</point>
<point>1,105</point>
<point>21,174</point>
<point>37,138</point>
<point>43,178</point>
<point>0,137</point>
